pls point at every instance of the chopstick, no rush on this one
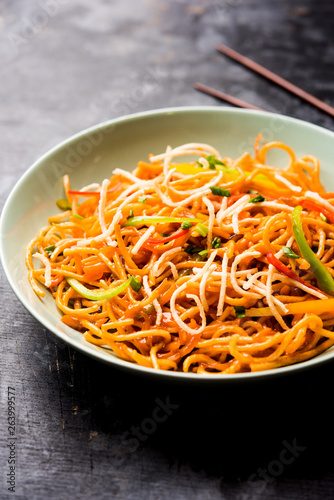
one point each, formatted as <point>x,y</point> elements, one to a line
<point>225,97</point>
<point>270,75</point>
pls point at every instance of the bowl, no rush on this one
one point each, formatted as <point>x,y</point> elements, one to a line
<point>91,155</point>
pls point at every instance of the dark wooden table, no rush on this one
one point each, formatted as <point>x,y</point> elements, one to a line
<point>85,430</point>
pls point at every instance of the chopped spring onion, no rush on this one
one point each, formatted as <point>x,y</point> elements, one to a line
<point>191,249</point>
<point>257,199</point>
<point>186,225</point>
<point>49,249</point>
<point>216,242</point>
<point>135,284</point>
<point>202,229</point>
<point>240,311</point>
<point>218,191</point>
<point>203,254</point>
<point>289,253</point>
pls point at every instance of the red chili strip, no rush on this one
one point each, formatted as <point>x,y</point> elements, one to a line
<point>157,241</point>
<point>310,205</point>
<point>288,272</point>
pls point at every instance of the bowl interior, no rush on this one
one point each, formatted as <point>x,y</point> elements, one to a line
<point>92,155</point>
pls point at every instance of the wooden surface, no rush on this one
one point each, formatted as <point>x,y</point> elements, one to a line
<point>84,430</point>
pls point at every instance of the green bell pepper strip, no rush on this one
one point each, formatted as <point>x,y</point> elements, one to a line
<point>145,219</point>
<point>97,294</point>
<point>323,276</point>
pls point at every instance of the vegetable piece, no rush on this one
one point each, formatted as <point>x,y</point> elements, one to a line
<point>77,216</point>
<point>186,225</point>
<point>157,241</point>
<point>146,219</point>
<point>130,216</point>
<point>64,204</point>
<point>191,249</point>
<point>188,169</point>
<point>308,306</point>
<point>202,229</point>
<point>288,272</point>
<point>289,253</point>
<point>323,276</point>
<point>142,199</point>
<point>240,311</point>
<point>49,249</point>
<point>135,284</point>
<point>257,199</point>
<point>218,191</point>
<point>323,218</point>
<point>213,161</point>
<point>216,242</point>
<point>97,294</point>
<point>311,205</point>
<point>203,254</point>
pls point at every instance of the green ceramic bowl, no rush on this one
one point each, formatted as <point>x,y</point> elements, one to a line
<point>91,156</point>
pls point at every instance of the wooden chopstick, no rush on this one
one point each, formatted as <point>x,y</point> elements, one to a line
<point>225,97</point>
<point>249,63</point>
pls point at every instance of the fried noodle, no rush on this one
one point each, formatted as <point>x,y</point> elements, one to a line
<point>209,296</point>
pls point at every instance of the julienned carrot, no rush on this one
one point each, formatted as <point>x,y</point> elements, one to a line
<point>308,306</point>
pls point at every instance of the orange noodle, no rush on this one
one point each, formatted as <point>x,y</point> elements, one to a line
<point>196,262</point>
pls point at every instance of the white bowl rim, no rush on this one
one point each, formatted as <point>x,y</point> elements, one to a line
<point>113,360</point>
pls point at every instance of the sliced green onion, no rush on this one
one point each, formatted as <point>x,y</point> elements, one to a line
<point>49,250</point>
<point>191,249</point>
<point>186,225</point>
<point>202,229</point>
<point>213,161</point>
<point>135,284</point>
<point>203,254</point>
<point>63,204</point>
<point>323,218</point>
<point>77,216</point>
<point>290,253</point>
<point>97,294</point>
<point>146,219</point>
<point>130,216</point>
<point>252,191</point>
<point>142,199</point>
<point>216,242</point>
<point>240,311</point>
<point>257,199</point>
<point>218,191</point>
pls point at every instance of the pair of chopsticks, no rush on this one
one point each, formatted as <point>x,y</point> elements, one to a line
<point>270,75</point>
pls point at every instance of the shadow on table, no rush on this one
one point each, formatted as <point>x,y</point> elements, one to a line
<point>256,433</point>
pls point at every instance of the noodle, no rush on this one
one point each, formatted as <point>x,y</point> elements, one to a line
<point>203,265</point>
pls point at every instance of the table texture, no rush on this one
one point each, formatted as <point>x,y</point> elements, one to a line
<point>85,430</point>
